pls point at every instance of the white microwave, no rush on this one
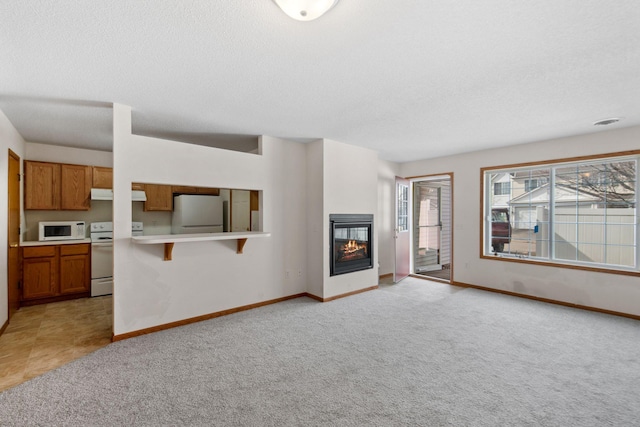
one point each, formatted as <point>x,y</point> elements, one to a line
<point>61,230</point>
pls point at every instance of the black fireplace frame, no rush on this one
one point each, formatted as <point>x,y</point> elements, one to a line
<point>352,220</point>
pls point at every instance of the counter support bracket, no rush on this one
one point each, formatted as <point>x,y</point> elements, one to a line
<point>241,243</point>
<point>168,248</point>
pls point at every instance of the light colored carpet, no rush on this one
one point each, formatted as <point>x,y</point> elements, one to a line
<point>416,353</point>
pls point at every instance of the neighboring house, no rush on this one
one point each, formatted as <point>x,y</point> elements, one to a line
<point>590,187</point>
<point>524,207</point>
<point>524,182</point>
<point>501,184</point>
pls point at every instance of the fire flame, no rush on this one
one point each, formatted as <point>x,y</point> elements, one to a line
<point>353,246</point>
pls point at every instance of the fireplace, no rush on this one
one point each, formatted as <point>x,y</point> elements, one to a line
<point>351,242</point>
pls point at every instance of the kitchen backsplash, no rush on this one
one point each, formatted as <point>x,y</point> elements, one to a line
<point>101,211</point>
<point>155,223</point>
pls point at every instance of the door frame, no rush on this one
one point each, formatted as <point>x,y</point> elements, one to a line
<point>13,294</point>
<point>417,227</point>
<point>436,177</point>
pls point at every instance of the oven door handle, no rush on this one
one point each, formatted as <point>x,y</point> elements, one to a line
<point>102,245</point>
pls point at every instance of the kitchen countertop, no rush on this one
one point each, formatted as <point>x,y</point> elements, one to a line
<point>55,242</point>
<point>170,239</point>
<point>197,237</point>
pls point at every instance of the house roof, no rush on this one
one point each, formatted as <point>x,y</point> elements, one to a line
<point>540,195</point>
<point>409,79</point>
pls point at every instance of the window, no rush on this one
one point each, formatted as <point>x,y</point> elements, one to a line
<point>501,188</point>
<point>583,213</point>
<point>403,207</point>
<point>531,184</point>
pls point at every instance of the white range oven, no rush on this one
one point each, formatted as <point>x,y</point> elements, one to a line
<point>102,256</point>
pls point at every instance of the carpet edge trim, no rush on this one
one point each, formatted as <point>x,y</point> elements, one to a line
<point>548,300</point>
<point>190,320</point>
<point>348,294</point>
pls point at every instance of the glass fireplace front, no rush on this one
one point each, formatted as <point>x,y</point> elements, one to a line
<point>351,243</point>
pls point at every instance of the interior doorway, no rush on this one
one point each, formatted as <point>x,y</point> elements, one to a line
<point>432,227</point>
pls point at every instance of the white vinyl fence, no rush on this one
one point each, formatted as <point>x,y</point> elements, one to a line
<point>605,236</point>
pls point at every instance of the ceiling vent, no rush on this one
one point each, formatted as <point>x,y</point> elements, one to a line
<point>606,122</point>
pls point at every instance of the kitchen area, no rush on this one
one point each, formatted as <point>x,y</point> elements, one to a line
<point>56,231</point>
<point>66,254</point>
<point>58,320</point>
<point>67,232</point>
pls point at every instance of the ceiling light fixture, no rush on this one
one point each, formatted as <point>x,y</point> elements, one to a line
<point>305,10</point>
<point>607,121</point>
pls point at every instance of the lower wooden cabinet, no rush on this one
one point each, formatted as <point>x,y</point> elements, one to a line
<point>39,272</point>
<point>75,269</point>
<point>55,271</point>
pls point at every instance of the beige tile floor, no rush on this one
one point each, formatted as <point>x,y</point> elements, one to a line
<point>43,337</point>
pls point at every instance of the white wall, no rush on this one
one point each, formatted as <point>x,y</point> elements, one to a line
<point>599,290</point>
<point>10,139</point>
<point>75,156</point>
<point>343,179</point>
<point>387,172</point>
<point>315,218</point>
<point>206,277</point>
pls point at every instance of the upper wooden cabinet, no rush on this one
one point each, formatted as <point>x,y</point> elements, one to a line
<point>209,191</point>
<point>75,187</point>
<point>183,189</point>
<point>41,185</point>
<point>102,177</point>
<point>159,197</point>
<point>55,186</point>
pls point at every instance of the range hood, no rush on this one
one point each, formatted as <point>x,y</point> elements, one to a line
<point>101,194</point>
<point>107,194</point>
<point>138,196</point>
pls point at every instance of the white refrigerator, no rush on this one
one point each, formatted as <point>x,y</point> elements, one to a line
<point>196,214</point>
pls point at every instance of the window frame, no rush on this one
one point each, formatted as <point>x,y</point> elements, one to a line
<point>485,209</point>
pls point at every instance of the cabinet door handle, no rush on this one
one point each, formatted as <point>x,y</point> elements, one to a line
<point>13,245</point>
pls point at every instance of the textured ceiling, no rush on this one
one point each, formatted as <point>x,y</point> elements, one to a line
<point>411,79</point>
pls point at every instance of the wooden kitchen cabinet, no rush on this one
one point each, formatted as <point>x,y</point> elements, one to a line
<point>55,272</point>
<point>159,197</point>
<point>75,187</point>
<point>183,189</point>
<point>41,185</point>
<point>39,272</point>
<point>102,177</point>
<point>209,191</point>
<point>75,269</point>
<point>55,186</point>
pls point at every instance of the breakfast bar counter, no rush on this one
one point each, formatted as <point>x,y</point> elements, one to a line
<point>170,239</point>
